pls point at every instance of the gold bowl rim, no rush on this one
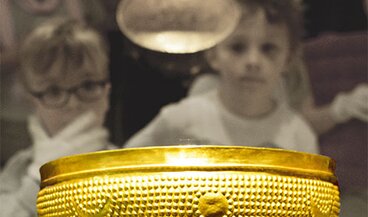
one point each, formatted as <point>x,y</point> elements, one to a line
<point>181,158</point>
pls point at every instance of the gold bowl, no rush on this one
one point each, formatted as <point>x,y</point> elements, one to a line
<point>199,181</point>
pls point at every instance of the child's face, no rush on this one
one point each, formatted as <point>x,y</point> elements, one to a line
<point>252,59</point>
<point>87,82</point>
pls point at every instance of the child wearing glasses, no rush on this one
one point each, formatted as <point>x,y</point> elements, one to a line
<point>65,71</point>
<point>243,110</point>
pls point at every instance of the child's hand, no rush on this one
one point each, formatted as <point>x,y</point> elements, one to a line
<point>81,124</point>
<point>353,104</point>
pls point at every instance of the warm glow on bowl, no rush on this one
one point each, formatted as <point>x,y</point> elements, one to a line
<point>190,181</point>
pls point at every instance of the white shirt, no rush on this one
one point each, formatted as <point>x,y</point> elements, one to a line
<point>20,177</point>
<point>202,119</point>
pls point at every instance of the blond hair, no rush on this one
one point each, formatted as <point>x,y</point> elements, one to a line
<point>65,40</point>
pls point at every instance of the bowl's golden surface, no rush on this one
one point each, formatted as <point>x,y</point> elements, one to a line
<point>202,181</point>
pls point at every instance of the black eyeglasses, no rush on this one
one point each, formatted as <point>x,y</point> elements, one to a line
<point>57,97</point>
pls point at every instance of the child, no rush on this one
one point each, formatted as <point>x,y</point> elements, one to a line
<point>65,71</point>
<point>242,110</point>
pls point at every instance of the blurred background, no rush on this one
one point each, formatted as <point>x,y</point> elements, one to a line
<point>143,81</point>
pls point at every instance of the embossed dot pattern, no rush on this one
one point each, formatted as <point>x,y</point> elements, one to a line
<point>178,194</point>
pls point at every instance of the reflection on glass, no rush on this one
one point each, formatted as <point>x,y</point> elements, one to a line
<point>177,26</point>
